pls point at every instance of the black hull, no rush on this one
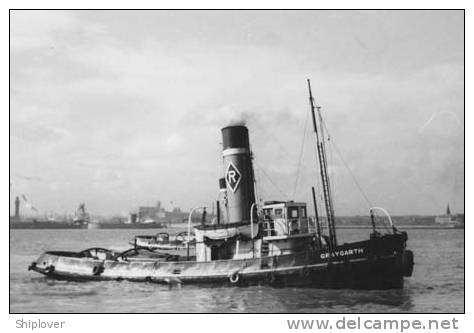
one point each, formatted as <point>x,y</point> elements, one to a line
<point>380,274</point>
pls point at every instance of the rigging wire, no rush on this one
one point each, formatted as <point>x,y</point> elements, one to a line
<point>271,181</point>
<point>298,168</point>
<point>255,181</point>
<point>348,168</point>
<point>332,181</point>
<point>266,133</point>
<point>263,193</point>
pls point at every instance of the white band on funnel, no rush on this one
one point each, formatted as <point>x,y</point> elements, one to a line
<point>235,151</point>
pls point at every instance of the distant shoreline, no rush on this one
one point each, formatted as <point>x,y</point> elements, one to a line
<point>27,226</point>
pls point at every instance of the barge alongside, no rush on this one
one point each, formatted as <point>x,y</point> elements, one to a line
<point>276,244</point>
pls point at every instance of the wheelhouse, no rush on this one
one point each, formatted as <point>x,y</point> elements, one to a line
<point>282,228</point>
<point>286,218</point>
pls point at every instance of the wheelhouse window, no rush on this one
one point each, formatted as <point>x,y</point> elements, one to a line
<point>278,212</point>
<point>293,212</point>
<point>268,211</point>
<point>303,212</point>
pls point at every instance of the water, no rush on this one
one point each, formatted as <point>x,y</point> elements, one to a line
<point>437,284</point>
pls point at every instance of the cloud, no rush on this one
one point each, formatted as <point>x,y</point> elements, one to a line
<point>125,107</point>
<point>45,26</point>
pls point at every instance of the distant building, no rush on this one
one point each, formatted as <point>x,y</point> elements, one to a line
<point>17,208</point>
<point>176,216</point>
<point>460,218</point>
<point>132,218</point>
<point>446,218</point>
<point>148,213</point>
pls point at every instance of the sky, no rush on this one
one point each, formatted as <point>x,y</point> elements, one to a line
<point>124,108</point>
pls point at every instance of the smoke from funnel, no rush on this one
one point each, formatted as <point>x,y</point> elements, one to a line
<point>242,119</point>
<point>237,122</point>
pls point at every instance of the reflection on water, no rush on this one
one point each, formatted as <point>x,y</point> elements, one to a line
<point>436,286</point>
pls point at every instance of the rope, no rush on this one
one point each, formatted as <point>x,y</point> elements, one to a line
<point>271,181</point>
<point>255,183</point>
<point>259,180</point>
<point>348,169</point>
<point>265,133</point>
<point>298,168</point>
<point>332,180</point>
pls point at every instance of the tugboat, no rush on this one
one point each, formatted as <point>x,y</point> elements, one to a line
<point>275,245</point>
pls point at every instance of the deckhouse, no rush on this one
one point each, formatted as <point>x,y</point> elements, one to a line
<point>241,231</point>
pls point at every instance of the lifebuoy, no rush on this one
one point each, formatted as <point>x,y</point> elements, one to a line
<point>97,270</point>
<point>234,277</point>
<point>304,272</point>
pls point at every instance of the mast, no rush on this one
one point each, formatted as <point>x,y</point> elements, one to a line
<point>318,227</point>
<point>319,135</point>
